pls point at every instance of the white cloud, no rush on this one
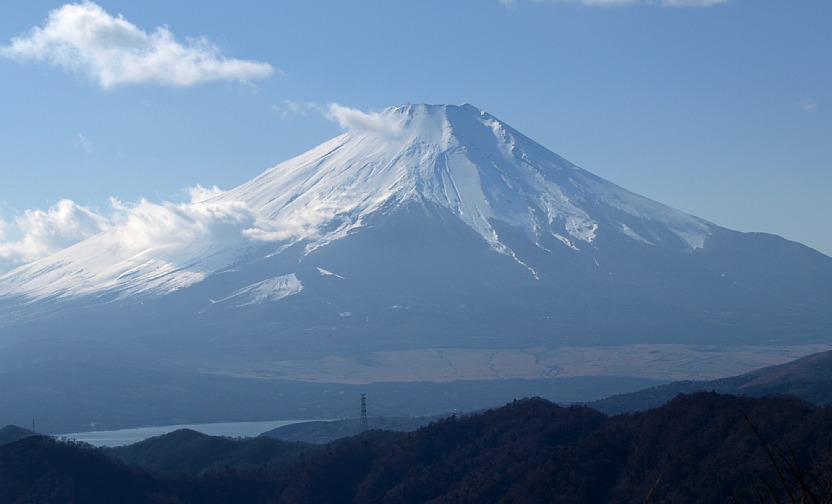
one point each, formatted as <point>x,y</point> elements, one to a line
<point>84,38</point>
<point>354,119</point>
<point>138,227</point>
<point>289,227</point>
<point>806,104</point>
<point>151,226</point>
<point>291,108</point>
<point>346,117</point>
<point>84,143</point>
<point>199,194</point>
<point>611,3</point>
<point>41,233</point>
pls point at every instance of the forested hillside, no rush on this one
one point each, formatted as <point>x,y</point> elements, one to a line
<point>700,448</point>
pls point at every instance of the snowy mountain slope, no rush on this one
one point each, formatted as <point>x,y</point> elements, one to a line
<point>435,244</point>
<point>126,262</point>
<point>457,158</point>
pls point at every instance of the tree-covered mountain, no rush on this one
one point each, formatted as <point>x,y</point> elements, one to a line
<point>699,448</point>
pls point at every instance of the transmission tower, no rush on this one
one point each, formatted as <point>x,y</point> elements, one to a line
<point>362,424</point>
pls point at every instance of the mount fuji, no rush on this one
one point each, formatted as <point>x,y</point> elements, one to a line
<point>434,243</point>
<point>452,160</point>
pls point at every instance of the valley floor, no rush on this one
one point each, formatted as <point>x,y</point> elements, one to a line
<point>667,362</point>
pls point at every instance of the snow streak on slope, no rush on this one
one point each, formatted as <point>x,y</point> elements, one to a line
<point>457,158</point>
<point>271,289</point>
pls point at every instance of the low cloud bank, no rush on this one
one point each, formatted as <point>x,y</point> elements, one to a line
<point>44,232</point>
<point>140,226</point>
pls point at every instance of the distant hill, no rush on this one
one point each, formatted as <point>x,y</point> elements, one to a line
<point>809,378</point>
<point>12,433</point>
<point>186,451</point>
<point>699,448</point>
<point>320,432</point>
<point>189,452</point>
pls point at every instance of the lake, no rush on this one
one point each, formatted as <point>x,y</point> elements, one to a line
<point>129,436</point>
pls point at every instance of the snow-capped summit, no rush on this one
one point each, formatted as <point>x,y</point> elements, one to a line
<point>457,158</point>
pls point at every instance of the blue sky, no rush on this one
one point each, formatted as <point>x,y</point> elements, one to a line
<point>721,108</point>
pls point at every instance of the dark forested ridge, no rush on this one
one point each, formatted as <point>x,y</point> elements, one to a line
<point>189,452</point>
<point>703,447</point>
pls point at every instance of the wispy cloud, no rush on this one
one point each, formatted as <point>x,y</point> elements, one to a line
<point>354,119</point>
<point>83,38</point>
<point>348,118</point>
<point>614,3</point>
<point>289,108</point>
<point>690,3</point>
<point>83,142</point>
<point>806,104</point>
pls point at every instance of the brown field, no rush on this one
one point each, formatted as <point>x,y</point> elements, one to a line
<point>660,362</point>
